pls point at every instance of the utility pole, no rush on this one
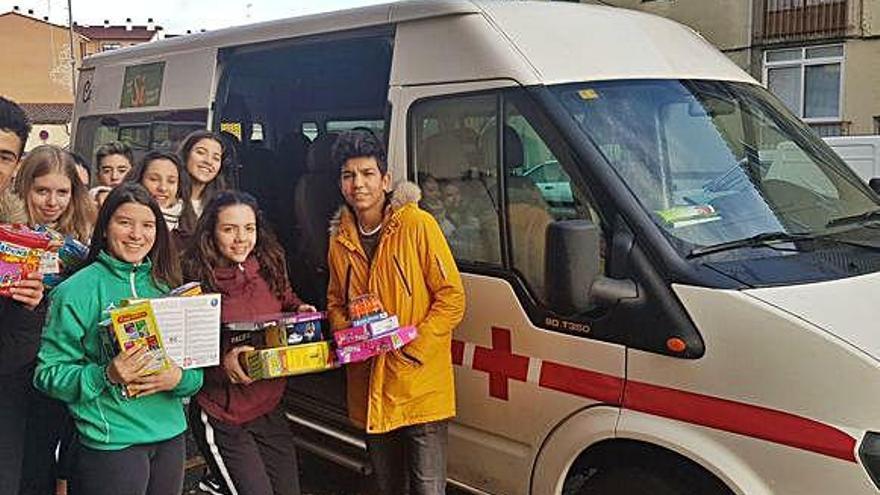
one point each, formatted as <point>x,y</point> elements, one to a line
<point>72,55</point>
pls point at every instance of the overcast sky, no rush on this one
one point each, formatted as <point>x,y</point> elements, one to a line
<point>177,16</point>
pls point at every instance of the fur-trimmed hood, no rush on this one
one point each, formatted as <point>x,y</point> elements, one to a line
<point>404,193</point>
<point>11,207</point>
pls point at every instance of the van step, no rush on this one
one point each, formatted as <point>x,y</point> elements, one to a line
<point>358,465</point>
<point>345,448</point>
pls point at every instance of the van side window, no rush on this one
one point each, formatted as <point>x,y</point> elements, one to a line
<point>539,192</point>
<point>457,170</point>
<point>455,145</point>
<point>143,131</point>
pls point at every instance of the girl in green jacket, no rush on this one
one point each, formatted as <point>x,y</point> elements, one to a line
<point>130,443</point>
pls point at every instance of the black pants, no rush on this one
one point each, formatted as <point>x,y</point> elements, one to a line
<point>254,458</point>
<point>31,425</point>
<point>411,460</point>
<point>15,394</point>
<point>47,423</point>
<point>148,469</point>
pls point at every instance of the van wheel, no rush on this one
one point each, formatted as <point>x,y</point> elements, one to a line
<point>633,469</point>
<point>629,481</point>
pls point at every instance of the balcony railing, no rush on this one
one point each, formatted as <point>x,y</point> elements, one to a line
<point>805,20</point>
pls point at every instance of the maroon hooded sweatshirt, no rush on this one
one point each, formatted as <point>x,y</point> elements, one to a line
<point>246,296</point>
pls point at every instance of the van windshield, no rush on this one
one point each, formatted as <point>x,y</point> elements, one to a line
<point>715,163</point>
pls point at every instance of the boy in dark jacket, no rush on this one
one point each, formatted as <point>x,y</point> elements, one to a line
<point>20,320</point>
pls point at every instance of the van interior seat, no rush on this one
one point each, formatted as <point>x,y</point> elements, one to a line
<point>290,166</point>
<point>449,153</point>
<point>514,151</point>
<point>255,162</point>
<point>316,198</point>
<point>529,217</point>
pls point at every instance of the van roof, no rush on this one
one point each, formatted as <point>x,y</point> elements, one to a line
<point>551,42</point>
<point>342,20</point>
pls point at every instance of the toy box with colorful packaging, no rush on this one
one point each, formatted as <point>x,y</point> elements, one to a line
<point>135,326</point>
<point>22,251</point>
<point>289,360</point>
<point>181,328</point>
<point>285,344</point>
<point>372,332</point>
<point>64,257</point>
<point>277,330</point>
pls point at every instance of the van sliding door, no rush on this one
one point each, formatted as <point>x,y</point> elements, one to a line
<point>284,102</point>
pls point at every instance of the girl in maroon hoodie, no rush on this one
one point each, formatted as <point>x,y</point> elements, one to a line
<point>236,421</point>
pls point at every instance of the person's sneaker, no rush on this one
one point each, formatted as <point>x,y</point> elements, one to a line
<point>209,484</point>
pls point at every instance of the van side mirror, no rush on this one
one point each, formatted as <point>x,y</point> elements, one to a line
<point>875,184</point>
<point>571,264</point>
<point>606,291</point>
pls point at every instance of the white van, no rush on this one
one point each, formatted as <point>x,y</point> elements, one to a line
<point>861,153</point>
<point>691,308</point>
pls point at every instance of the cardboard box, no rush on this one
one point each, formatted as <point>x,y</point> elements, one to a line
<point>351,335</point>
<point>190,327</point>
<point>369,319</point>
<point>136,325</point>
<point>361,351</point>
<point>289,360</point>
<point>277,330</point>
<point>363,306</point>
<point>22,251</point>
<point>366,331</point>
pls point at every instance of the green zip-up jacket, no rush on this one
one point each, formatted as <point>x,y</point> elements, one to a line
<point>72,360</point>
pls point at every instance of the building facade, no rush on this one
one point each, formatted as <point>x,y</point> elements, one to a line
<point>820,57</point>
<point>108,37</point>
<point>38,75</point>
<point>37,70</point>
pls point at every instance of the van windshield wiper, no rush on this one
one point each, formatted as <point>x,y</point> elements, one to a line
<point>860,218</point>
<point>763,239</point>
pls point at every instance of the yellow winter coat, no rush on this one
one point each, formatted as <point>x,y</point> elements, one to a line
<point>415,277</point>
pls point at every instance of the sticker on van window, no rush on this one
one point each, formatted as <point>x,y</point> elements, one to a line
<point>142,85</point>
<point>683,216</point>
<point>588,94</point>
<point>233,128</point>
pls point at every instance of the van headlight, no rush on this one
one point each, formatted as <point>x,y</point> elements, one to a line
<point>869,453</point>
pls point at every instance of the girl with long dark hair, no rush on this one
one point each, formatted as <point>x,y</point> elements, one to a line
<point>237,422</point>
<point>128,442</point>
<point>202,154</point>
<point>167,180</point>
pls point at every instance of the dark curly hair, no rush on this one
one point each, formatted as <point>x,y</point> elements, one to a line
<point>357,144</point>
<point>14,120</point>
<point>203,255</point>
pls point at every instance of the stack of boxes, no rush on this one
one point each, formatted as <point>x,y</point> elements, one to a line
<point>372,331</point>
<point>288,344</point>
<point>285,344</point>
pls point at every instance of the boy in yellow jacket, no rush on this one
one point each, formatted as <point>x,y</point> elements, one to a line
<point>382,243</point>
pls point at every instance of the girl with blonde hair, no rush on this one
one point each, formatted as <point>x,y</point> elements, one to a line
<point>53,195</point>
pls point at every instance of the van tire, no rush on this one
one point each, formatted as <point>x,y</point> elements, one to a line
<point>635,468</point>
<point>630,481</point>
